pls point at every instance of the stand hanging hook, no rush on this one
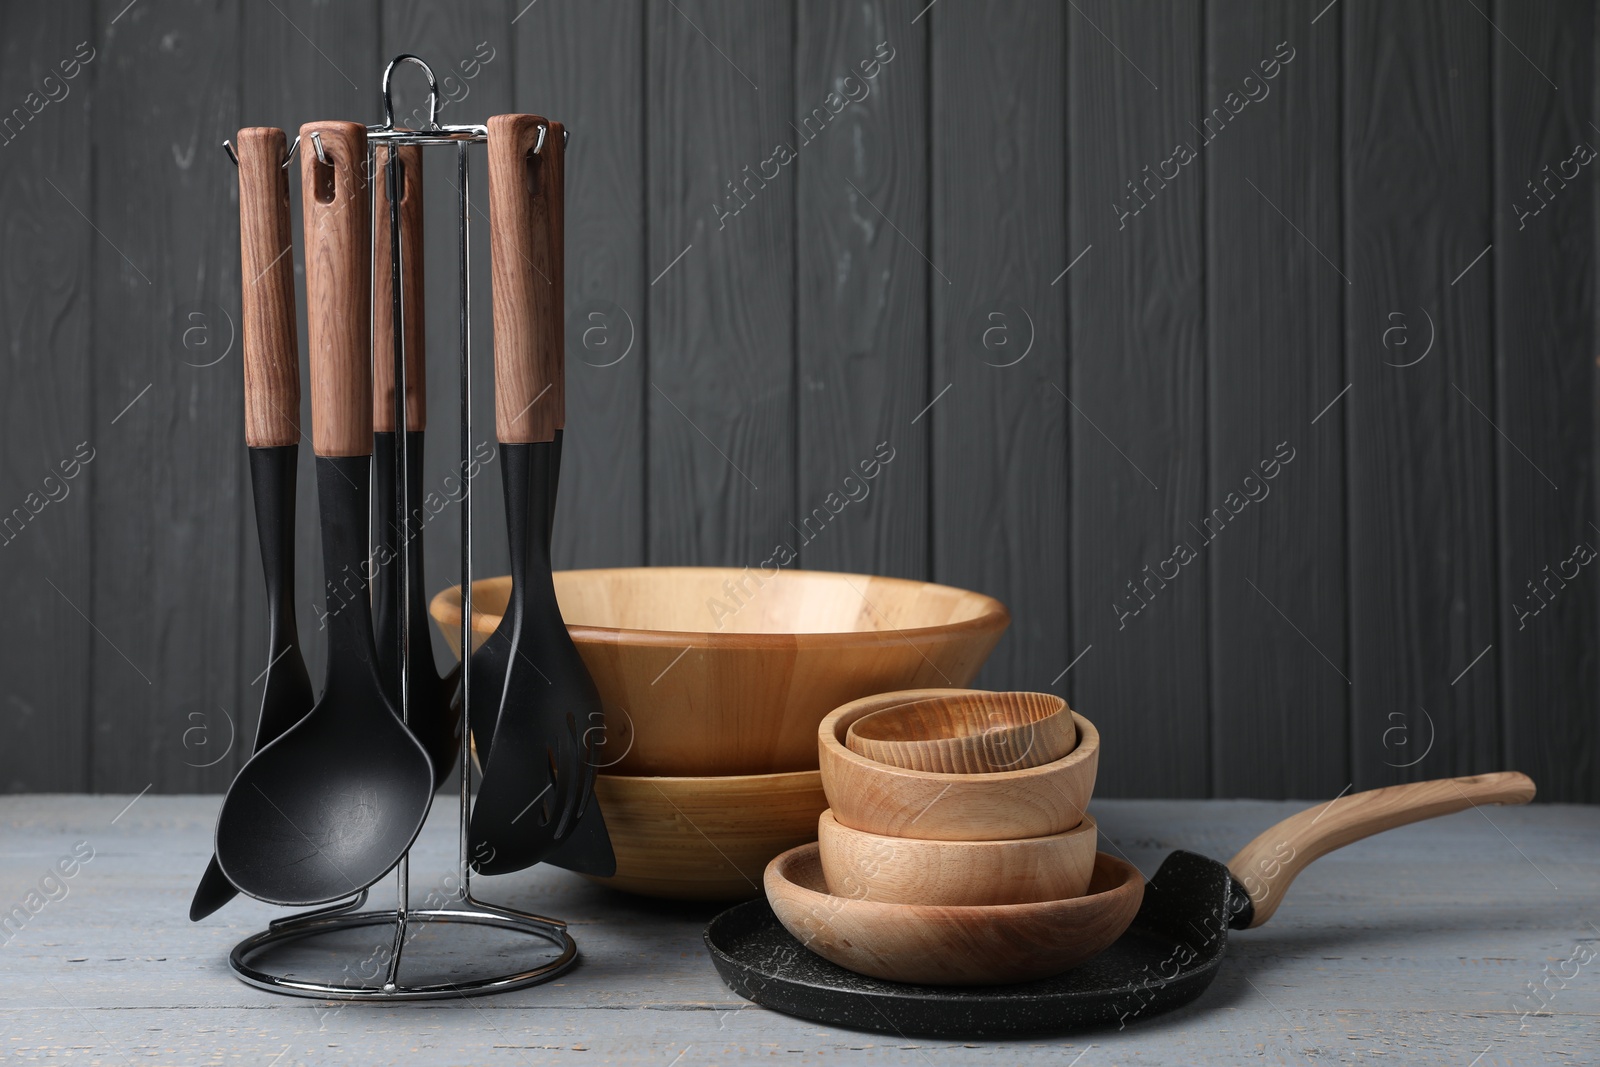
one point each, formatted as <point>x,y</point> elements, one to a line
<point>288,157</point>
<point>388,97</point>
<point>316,141</point>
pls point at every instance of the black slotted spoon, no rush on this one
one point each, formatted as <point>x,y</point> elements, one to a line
<point>539,706</point>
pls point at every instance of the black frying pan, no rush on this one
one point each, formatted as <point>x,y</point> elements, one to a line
<point>1167,957</point>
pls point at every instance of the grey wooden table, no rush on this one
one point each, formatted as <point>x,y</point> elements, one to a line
<point>1421,946</point>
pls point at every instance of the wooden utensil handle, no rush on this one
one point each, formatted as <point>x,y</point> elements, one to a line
<point>411,290</point>
<point>336,203</point>
<point>1269,864</point>
<point>271,345</point>
<point>525,209</point>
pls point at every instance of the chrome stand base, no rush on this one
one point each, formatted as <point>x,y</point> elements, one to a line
<point>316,924</point>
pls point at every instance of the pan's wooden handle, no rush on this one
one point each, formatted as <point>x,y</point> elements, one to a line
<point>271,348</point>
<point>410,293</point>
<point>1269,864</point>
<point>525,208</point>
<point>337,205</point>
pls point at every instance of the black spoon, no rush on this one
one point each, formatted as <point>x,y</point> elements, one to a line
<point>538,777</point>
<point>272,432</point>
<point>1166,959</point>
<point>332,805</point>
<point>430,716</point>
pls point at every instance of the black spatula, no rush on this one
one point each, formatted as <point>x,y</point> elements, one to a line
<point>272,430</point>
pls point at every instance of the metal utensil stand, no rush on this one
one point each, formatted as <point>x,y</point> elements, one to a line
<point>463,907</point>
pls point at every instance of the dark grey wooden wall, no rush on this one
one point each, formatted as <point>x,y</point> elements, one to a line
<point>1094,270</point>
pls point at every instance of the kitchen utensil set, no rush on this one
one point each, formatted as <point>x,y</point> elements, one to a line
<point>955,888</point>
<point>340,787</point>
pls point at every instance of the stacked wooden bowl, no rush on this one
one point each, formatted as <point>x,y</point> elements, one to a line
<point>713,682</point>
<point>956,849</point>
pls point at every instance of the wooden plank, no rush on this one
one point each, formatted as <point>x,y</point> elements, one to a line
<point>45,309</point>
<point>1545,341</point>
<point>167,500</point>
<point>306,61</point>
<point>469,47</point>
<point>998,417</point>
<point>583,65</point>
<point>1138,394</point>
<point>720,260</point>
<point>861,319</point>
<point>1279,716</point>
<point>1421,446</point>
<point>1414,946</point>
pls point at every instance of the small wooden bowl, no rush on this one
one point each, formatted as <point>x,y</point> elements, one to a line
<point>704,838</point>
<point>933,944</point>
<point>968,734</point>
<point>904,870</point>
<point>898,802</point>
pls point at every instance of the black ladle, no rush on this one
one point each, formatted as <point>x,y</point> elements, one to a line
<point>272,432</point>
<point>430,718</point>
<point>1167,957</point>
<point>332,805</point>
<point>544,714</point>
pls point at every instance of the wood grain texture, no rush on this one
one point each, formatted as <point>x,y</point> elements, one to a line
<point>861,324</point>
<point>335,197</point>
<point>525,207</point>
<point>413,293</point>
<point>968,734</point>
<point>803,335</point>
<point>584,65</point>
<point>268,320</point>
<point>897,802</point>
<point>705,838</point>
<point>1269,864</point>
<point>1544,286</point>
<point>932,944</point>
<point>1279,709</point>
<point>720,255</point>
<point>1421,446</point>
<point>285,80</point>
<point>1137,405</point>
<point>1000,434</point>
<point>162,650</point>
<point>908,870</point>
<point>48,427</point>
<point>1414,946</point>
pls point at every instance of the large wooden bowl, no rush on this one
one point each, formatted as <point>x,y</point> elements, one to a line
<point>968,734</point>
<point>705,838</point>
<point>908,870</point>
<point>898,802</point>
<point>933,944</point>
<point>712,671</point>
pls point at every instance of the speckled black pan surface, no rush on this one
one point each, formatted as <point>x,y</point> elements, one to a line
<point>1166,959</point>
